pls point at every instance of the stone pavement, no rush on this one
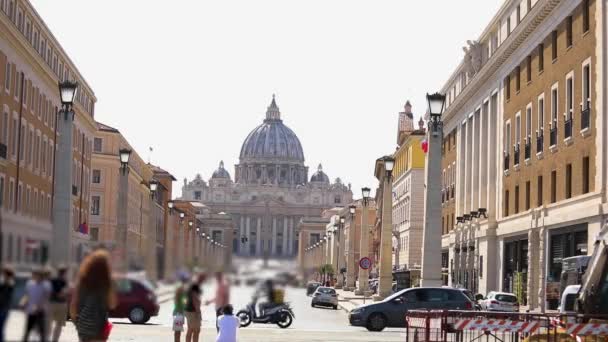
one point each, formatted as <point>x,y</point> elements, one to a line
<point>347,300</point>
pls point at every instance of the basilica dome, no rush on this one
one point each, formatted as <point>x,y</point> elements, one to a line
<point>221,172</point>
<point>272,140</point>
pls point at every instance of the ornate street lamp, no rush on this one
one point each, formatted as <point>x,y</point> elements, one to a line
<point>170,205</point>
<point>436,106</point>
<point>352,210</point>
<point>153,184</point>
<point>181,216</point>
<point>67,91</point>
<point>366,192</point>
<point>190,224</point>
<point>389,163</point>
<point>124,155</point>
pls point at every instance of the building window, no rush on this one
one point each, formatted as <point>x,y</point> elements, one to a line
<point>506,209</point>
<point>568,180</point>
<point>517,199</point>
<point>569,31</point>
<point>337,199</point>
<point>95,205</point>
<point>517,79</point>
<point>541,57</point>
<point>527,195</point>
<point>586,103</point>
<point>518,14</point>
<point>585,15</point>
<point>554,45</point>
<point>585,175</point>
<point>96,177</point>
<point>554,110</point>
<point>7,77</point>
<point>553,186</point>
<point>198,195</point>
<point>508,26</point>
<point>529,69</point>
<point>508,87</point>
<point>97,144</point>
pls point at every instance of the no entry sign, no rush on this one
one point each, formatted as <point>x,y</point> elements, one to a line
<point>365,263</point>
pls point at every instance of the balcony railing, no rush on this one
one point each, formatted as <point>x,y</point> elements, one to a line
<point>516,154</point>
<point>568,128</point>
<point>585,116</point>
<point>539,141</point>
<point>506,161</point>
<point>3,151</point>
<point>527,148</point>
<point>452,191</point>
<point>553,136</point>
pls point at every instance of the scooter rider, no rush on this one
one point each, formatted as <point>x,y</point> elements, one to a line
<point>265,289</point>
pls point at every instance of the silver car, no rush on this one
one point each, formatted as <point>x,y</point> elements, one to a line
<point>325,296</point>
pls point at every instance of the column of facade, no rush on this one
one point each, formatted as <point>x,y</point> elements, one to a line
<point>291,237</point>
<point>469,167</point>
<point>284,251</point>
<point>460,171</point>
<point>533,248</point>
<point>483,156</point>
<point>258,249</point>
<point>476,146</point>
<point>542,262</point>
<point>362,287</point>
<point>274,236</point>
<point>248,234</point>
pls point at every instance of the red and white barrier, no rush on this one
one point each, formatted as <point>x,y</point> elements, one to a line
<point>584,329</point>
<point>498,325</point>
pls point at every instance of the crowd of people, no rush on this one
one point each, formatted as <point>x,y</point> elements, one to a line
<point>48,301</point>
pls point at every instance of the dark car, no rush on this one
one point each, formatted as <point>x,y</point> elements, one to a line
<point>391,311</point>
<point>311,287</point>
<point>136,300</point>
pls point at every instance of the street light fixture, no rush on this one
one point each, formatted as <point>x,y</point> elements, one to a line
<point>190,224</point>
<point>170,205</point>
<point>125,155</point>
<point>67,90</point>
<point>352,210</point>
<point>153,187</point>
<point>366,192</point>
<point>436,106</point>
<point>389,164</point>
<point>342,220</point>
<point>181,216</point>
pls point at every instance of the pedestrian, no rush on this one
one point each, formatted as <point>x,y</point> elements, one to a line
<point>58,303</point>
<point>193,309</point>
<point>222,296</point>
<point>7,286</point>
<point>179,304</point>
<point>228,325</point>
<point>93,297</point>
<point>35,303</point>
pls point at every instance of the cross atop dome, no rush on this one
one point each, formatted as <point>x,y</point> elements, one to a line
<point>273,113</point>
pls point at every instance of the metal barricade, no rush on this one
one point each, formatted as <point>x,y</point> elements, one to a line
<point>460,326</point>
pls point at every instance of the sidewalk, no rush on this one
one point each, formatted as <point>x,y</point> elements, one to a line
<point>347,300</point>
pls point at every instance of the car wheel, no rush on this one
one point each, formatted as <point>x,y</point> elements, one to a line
<point>376,322</point>
<point>312,305</point>
<point>335,307</point>
<point>138,315</point>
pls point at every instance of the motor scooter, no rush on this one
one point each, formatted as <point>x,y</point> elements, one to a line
<point>279,314</point>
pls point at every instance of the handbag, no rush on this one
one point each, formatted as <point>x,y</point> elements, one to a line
<point>178,322</point>
<point>107,328</point>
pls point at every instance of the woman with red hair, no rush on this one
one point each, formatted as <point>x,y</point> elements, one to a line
<point>93,297</point>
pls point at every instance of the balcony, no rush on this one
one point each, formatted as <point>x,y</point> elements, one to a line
<point>527,148</point>
<point>516,150</point>
<point>539,142</point>
<point>553,136</point>
<point>567,128</point>
<point>585,117</point>
<point>3,151</point>
<point>506,162</point>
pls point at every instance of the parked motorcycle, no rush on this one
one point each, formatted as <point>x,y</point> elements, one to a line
<point>281,315</point>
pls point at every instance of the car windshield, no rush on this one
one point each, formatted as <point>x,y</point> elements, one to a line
<point>506,298</point>
<point>147,285</point>
<point>469,294</point>
<point>394,295</point>
<point>326,290</point>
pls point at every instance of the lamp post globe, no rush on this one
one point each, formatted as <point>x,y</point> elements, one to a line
<point>67,91</point>
<point>365,192</point>
<point>124,154</point>
<point>352,210</point>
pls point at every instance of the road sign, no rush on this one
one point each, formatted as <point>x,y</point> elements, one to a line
<point>365,263</point>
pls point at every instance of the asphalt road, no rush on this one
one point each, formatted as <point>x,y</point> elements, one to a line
<point>310,324</point>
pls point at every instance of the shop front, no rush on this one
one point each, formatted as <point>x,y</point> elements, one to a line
<point>515,266</point>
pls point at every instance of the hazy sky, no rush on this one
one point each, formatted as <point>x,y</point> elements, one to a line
<point>193,78</point>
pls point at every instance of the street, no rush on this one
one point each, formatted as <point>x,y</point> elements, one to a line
<point>310,324</point>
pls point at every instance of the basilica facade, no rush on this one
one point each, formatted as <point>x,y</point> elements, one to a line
<point>271,191</point>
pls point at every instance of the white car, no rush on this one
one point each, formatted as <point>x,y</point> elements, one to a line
<point>500,301</point>
<point>566,305</point>
<point>325,296</point>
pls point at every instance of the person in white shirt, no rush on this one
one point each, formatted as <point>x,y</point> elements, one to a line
<point>228,325</point>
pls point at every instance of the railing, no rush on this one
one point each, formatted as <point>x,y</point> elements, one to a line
<point>539,141</point>
<point>553,136</point>
<point>461,326</point>
<point>506,161</point>
<point>516,154</point>
<point>3,151</point>
<point>585,116</point>
<point>568,128</point>
<point>527,148</point>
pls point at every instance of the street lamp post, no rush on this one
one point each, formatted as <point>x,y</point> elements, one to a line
<point>350,254</point>
<point>124,155</point>
<point>385,281</point>
<point>338,233</point>
<point>61,247</point>
<point>363,287</point>
<point>431,239</point>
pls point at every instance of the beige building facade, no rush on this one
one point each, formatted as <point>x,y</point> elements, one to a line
<point>32,62</point>
<point>527,107</point>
